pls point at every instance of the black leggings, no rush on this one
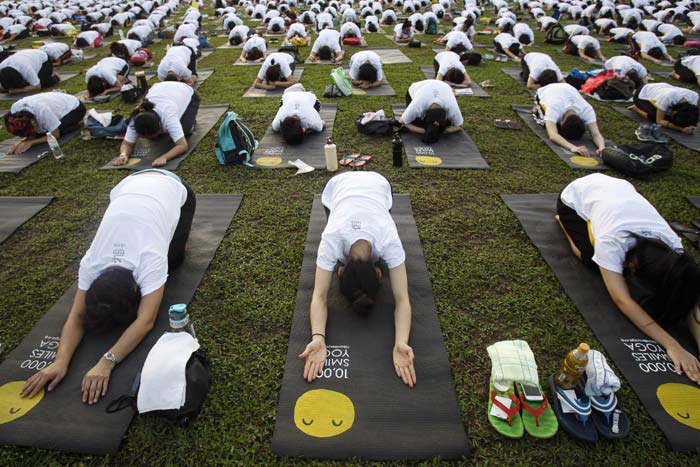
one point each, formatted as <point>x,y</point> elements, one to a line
<point>190,116</point>
<point>73,120</point>
<point>685,74</point>
<point>577,228</point>
<point>46,76</point>
<point>192,66</point>
<point>645,106</point>
<point>524,71</point>
<point>176,251</point>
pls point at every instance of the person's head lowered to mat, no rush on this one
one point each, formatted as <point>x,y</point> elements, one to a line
<point>360,232</point>
<point>122,276</point>
<point>614,229</point>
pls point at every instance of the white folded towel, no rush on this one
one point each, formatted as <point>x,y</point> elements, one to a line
<point>602,381</point>
<point>105,118</point>
<point>163,383</point>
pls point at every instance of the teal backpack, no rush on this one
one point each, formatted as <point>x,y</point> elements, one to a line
<point>235,143</point>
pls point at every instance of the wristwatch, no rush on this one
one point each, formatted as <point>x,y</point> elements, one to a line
<point>111,357</point>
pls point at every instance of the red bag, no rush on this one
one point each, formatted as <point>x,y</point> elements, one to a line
<point>592,84</point>
<point>352,41</point>
<point>141,57</point>
<point>98,41</point>
<point>691,44</point>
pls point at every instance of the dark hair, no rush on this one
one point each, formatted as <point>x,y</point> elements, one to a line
<point>406,24</point>
<point>146,121</point>
<point>19,123</point>
<point>514,48</point>
<point>524,39</point>
<point>235,40</point>
<point>81,42</point>
<point>632,23</point>
<point>119,50</point>
<point>324,53</point>
<point>435,124</point>
<point>454,75</point>
<point>349,34</point>
<point>606,29</point>
<point>254,54</point>
<point>589,51</point>
<point>678,40</point>
<point>274,72</point>
<point>132,36</point>
<point>111,301</point>
<point>572,127</point>
<point>372,27</point>
<point>96,85</point>
<point>171,76</point>
<point>508,27</point>
<point>359,283</point>
<point>673,278</point>
<point>683,114</point>
<point>547,77</point>
<point>459,48</point>
<point>419,25</point>
<point>633,76</point>
<point>275,27</point>
<point>367,72</point>
<point>657,53</point>
<point>292,131</point>
<point>11,78</point>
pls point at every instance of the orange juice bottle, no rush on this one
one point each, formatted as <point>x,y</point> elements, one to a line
<point>572,367</point>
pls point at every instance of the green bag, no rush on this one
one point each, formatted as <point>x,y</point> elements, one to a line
<point>341,81</point>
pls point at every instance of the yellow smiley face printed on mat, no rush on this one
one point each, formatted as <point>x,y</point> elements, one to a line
<point>133,161</point>
<point>358,92</point>
<point>323,413</point>
<point>268,161</point>
<point>428,160</point>
<point>682,402</point>
<point>587,161</point>
<point>11,405</point>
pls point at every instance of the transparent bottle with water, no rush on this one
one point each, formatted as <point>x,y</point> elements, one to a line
<point>54,146</point>
<point>180,319</point>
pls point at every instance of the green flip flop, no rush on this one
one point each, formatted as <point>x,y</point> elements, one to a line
<point>513,426</point>
<point>538,417</point>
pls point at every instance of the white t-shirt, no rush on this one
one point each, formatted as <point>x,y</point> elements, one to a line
<point>664,96</point>
<point>692,62</point>
<point>399,33</point>
<point>255,42</point>
<point>16,29</point>
<point>428,92</point>
<point>603,23</point>
<point>447,61</point>
<point>240,31</point>
<point>620,33</point>
<point>651,24</point>
<point>576,30</point>
<point>283,59</point>
<point>279,21</point>
<point>132,45</point>
<point>614,209</point>
<point>505,40</point>
<point>300,105</point>
<point>55,49</point>
<point>624,64</point>
<point>185,30</point>
<point>454,38</point>
<point>581,42</point>
<point>296,29</point>
<point>170,99</point>
<point>177,60</point>
<point>142,32</point>
<point>647,40</point>
<point>136,231</point>
<point>89,36</point>
<point>362,57</point>
<point>350,27</point>
<point>522,28</point>
<point>48,108</point>
<point>538,62</point>
<point>324,20</point>
<point>545,21</point>
<point>359,204</point>
<point>327,37</point>
<point>558,98</point>
<point>108,68</point>
<point>669,31</point>
<point>27,62</point>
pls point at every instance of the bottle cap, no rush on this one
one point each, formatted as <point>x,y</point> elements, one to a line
<point>329,141</point>
<point>583,348</point>
<point>177,311</point>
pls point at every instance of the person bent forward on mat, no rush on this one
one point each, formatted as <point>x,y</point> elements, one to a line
<point>122,276</point>
<point>614,229</point>
<point>360,232</point>
<point>431,110</point>
<point>169,107</point>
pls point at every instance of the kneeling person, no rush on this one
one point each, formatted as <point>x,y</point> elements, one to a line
<point>276,71</point>
<point>431,110</point>
<point>366,69</point>
<point>298,115</point>
<point>107,76</point>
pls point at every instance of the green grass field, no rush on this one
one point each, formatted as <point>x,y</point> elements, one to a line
<point>489,281</point>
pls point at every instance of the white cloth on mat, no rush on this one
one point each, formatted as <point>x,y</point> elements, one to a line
<point>512,361</point>
<point>602,381</point>
<point>163,382</point>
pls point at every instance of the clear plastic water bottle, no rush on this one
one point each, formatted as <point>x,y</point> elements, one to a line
<point>54,146</point>
<point>180,319</point>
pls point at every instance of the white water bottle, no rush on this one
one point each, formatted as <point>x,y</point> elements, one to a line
<point>54,146</point>
<point>331,155</point>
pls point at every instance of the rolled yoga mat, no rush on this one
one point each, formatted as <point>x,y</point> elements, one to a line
<point>672,401</point>
<point>146,151</point>
<point>476,90</point>
<point>689,141</point>
<point>16,210</point>
<point>15,163</point>
<point>274,152</point>
<point>277,92</point>
<point>379,417</point>
<point>453,151</point>
<point>572,160</point>
<point>515,74</point>
<point>58,419</point>
<point>64,75</point>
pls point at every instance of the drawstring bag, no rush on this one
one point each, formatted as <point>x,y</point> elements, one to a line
<point>638,160</point>
<point>341,81</point>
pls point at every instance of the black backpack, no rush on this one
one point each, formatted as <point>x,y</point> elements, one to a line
<point>556,35</point>
<point>638,160</point>
<point>615,89</point>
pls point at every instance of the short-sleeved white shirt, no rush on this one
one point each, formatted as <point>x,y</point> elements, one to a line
<point>647,40</point>
<point>296,29</point>
<point>359,204</point>
<point>176,60</point>
<point>428,92</point>
<point>255,42</point>
<point>132,45</point>
<point>89,36</point>
<point>620,33</point>
<point>454,38</point>
<point>664,96</point>
<point>615,210</point>
<point>669,31</point>
<point>108,68</point>
<point>170,99</point>
<point>576,30</point>
<point>350,27</point>
<point>27,62</point>
<point>521,28</point>
<point>447,61</point>
<point>399,33</point>
<point>558,98</point>
<point>692,62</point>
<point>362,57</point>
<point>136,231</point>
<point>327,37</point>
<point>582,42</point>
<point>300,105</point>
<point>505,40</point>
<point>623,64</point>
<point>283,59</point>
<point>185,30</point>
<point>48,108</point>
<point>240,31</point>
<point>55,49</point>
<point>538,62</point>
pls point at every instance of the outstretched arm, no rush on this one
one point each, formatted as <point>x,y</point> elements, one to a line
<point>403,353</point>
<point>556,138</point>
<point>597,137</point>
<point>315,351</point>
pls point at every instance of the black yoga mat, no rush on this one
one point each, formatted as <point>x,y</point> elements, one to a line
<point>477,91</point>
<point>695,201</point>
<point>202,76</point>
<point>515,74</point>
<point>16,210</point>
<point>64,75</point>
<point>254,92</point>
<point>689,141</point>
<point>83,95</point>
<point>668,398</point>
<point>391,56</point>
<point>273,152</point>
<point>391,421</point>
<point>384,89</point>
<point>572,160</point>
<point>60,420</point>
<point>15,163</point>
<point>146,151</point>
<point>453,151</point>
